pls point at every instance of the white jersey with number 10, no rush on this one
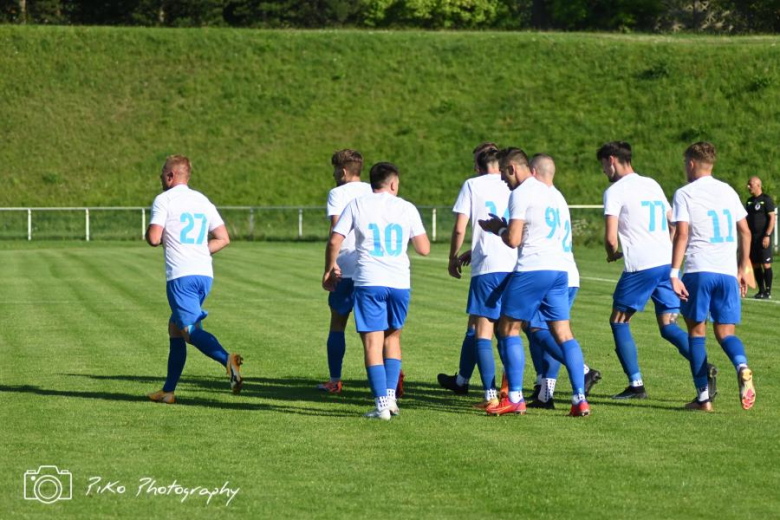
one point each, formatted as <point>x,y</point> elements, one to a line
<point>383,225</point>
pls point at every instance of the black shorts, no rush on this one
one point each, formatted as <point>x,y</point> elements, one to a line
<point>760,254</point>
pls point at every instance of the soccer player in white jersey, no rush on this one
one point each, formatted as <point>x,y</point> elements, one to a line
<point>711,223</point>
<point>636,210</point>
<point>491,264</point>
<point>546,354</point>
<point>538,215</point>
<point>383,224</point>
<point>190,229</point>
<point>347,166</point>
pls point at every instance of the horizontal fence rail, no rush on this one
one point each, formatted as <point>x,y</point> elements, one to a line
<point>243,223</point>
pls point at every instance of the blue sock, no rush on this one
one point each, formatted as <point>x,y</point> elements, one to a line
<point>698,361</point>
<point>502,350</point>
<point>553,353</point>
<point>209,345</point>
<point>575,365</point>
<point>677,337</point>
<point>735,350</point>
<point>486,362</point>
<point>515,362</point>
<point>468,354</point>
<point>626,350</point>
<point>377,380</point>
<point>337,345</point>
<point>392,372</point>
<point>536,350</point>
<point>177,356</point>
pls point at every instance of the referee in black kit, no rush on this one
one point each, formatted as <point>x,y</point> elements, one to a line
<point>761,220</point>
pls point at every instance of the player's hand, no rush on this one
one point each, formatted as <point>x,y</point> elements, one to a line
<point>465,258</point>
<point>742,279</point>
<point>679,289</point>
<point>765,243</point>
<point>493,224</point>
<point>331,279</point>
<point>454,267</point>
<point>617,255</point>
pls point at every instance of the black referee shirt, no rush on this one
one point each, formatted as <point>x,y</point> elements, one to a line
<point>758,209</point>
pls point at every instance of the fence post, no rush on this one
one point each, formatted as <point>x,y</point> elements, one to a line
<point>433,225</point>
<point>252,223</point>
<point>300,223</point>
<point>86,223</point>
<point>143,223</point>
<point>775,230</point>
<point>29,224</point>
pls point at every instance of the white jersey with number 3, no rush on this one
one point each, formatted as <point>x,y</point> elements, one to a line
<point>338,198</point>
<point>383,225</point>
<point>187,217</point>
<point>479,197</point>
<point>712,209</point>
<point>640,206</point>
<point>547,231</point>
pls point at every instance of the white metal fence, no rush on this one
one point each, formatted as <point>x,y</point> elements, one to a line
<point>244,222</point>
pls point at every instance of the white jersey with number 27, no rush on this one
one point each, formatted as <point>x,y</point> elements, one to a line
<point>712,209</point>
<point>187,217</point>
<point>383,225</point>
<point>547,232</point>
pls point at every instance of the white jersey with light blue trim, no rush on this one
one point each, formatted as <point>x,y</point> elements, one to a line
<point>568,249</point>
<point>338,198</point>
<point>547,230</point>
<point>712,209</point>
<point>383,225</point>
<point>479,197</point>
<point>640,206</point>
<point>187,217</point>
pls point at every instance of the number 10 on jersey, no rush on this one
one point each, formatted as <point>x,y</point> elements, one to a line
<point>393,240</point>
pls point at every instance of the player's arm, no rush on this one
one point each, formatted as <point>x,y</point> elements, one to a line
<point>511,234</point>
<point>611,245</point>
<point>154,235</point>
<point>219,239</point>
<point>456,242</point>
<point>332,272</point>
<point>770,227</point>
<point>334,219</point>
<point>745,270</point>
<point>672,225</point>
<point>679,244</point>
<point>422,245</point>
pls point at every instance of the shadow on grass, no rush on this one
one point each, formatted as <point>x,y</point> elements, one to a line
<point>418,395</point>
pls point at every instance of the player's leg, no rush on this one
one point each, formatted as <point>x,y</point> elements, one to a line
<point>397,309</point>
<point>371,322</point>
<point>695,311</point>
<point>177,357</point>
<point>459,382</point>
<point>758,272</point>
<point>536,349</point>
<point>510,348</point>
<point>766,262</point>
<point>485,329</point>
<point>340,302</point>
<point>725,309</point>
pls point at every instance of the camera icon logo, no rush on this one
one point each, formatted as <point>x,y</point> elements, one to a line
<point>48,484</point>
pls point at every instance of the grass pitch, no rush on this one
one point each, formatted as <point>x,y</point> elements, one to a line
<point>83,339</point>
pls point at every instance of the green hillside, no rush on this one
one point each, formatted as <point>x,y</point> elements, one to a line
<point>88,114</point>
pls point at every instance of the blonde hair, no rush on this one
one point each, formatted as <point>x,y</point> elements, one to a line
<point>178,164</point>
<point>702,152</point>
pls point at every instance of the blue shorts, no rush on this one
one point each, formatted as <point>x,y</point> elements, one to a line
<point>529,292</point>
<point>714,294</point>
<point>342,300</point>
<point>380,308</point>
<point>185,296</point>
<point>539,323</point>
<point>634,289</point>
<point>485,293</point>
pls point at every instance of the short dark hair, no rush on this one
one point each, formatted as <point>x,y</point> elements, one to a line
<point>487,145</point>
<point>620,150</point>
<point>701,152</point>
<point>350,160</point>
<point>485,157</point>
<point>514,155</point>
<point>381,173</point>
